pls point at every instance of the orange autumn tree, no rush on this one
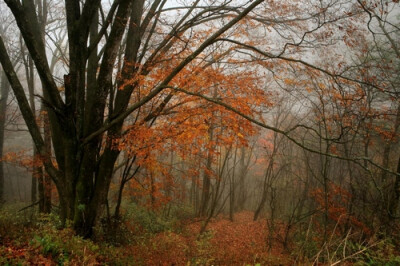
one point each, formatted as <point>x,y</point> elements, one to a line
<point>89,114</point>
<point>190,127</point>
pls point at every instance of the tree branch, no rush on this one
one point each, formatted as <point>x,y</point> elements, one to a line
<point>120,118</point>
<point>356,160</point>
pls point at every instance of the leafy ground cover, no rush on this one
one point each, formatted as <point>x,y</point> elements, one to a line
<point>145,238</point>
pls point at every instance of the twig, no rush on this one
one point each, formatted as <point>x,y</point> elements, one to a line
<point>356,253</point>
<point>27,207</point>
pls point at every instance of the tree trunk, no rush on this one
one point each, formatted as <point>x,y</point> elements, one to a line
<point>232,188</point>
<point>29,72</point>
<point>241,198</point>
<point>394,205</point>
<point>4,90</point>
<point>205,195</point>
<point>266,184</point>
<point>45,180</point>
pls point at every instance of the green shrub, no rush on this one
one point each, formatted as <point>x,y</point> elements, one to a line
<point>305,245</point>
<point>147,220</point>
<point>383,252</point>
<point>13,221</point>
<point>62,245</point>
<point>27,239</point>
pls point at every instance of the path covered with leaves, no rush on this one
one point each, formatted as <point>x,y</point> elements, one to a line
<point>240,242</point>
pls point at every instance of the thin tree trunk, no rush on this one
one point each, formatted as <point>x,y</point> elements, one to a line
<point>267,182</point>
<point>232,188</point>
<point>217,194</point>
<point>37,171</point>
<point>205,195</point>
<point>46,180</point>
<point>241,198</point>
<point>5,89</point>
<point>394,205</point>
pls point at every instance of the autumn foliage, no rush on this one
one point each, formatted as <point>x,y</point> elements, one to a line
<point>208,133</point>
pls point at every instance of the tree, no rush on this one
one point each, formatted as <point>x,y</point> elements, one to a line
<point>88,114</point>
<point>5,89</point>
<point>4,95</point>
<point>382,64</point>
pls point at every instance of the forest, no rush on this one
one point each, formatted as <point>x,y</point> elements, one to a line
<point>199,132</point>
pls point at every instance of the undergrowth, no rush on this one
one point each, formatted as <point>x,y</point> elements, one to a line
<point>171,237</point>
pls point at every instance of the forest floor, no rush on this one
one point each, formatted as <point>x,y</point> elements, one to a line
<point>241,242</point>
<point>28,239</point>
